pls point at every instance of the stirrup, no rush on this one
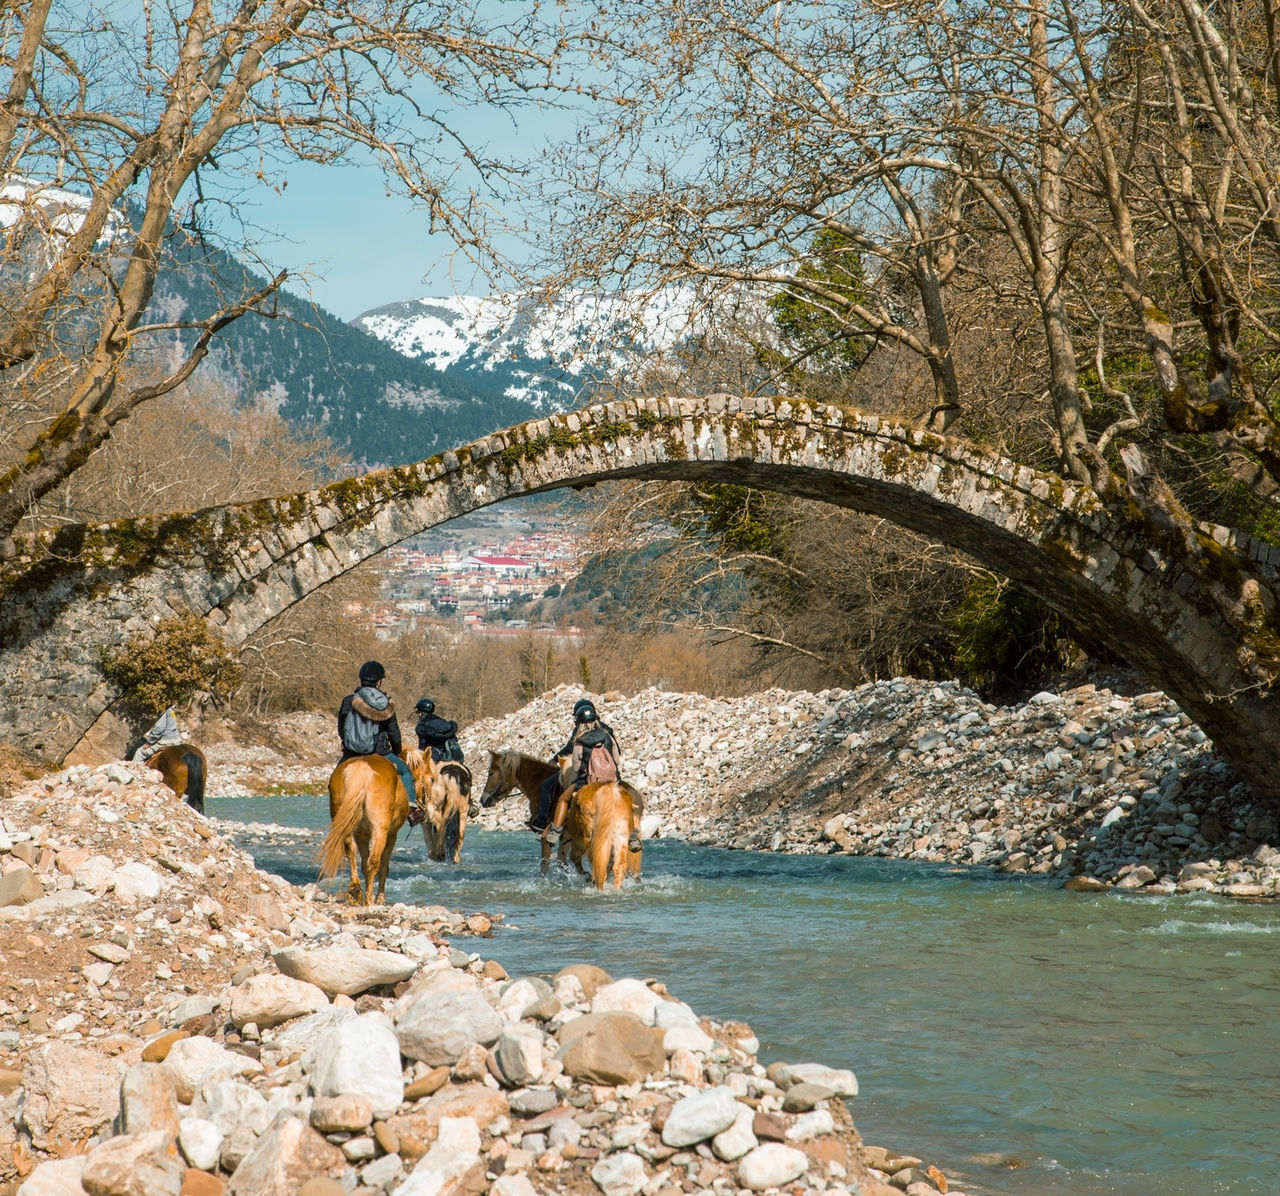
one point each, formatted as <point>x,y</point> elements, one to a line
<point>633,843</point>
<point>473,810</point>
<point>553,833</point>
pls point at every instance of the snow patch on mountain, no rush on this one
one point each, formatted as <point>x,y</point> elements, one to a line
<point>544,352</point>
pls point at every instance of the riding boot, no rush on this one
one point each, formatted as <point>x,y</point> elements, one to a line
<point>557,819</point>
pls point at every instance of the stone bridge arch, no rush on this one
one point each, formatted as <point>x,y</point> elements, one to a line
<point>70,595</point>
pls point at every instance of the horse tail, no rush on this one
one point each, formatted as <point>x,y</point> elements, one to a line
<point>194,760</point>
<point>332,852</point>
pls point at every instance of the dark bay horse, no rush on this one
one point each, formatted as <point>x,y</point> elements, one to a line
<point>367,807</point>
<point>509,771</point>
<point>182,768</point>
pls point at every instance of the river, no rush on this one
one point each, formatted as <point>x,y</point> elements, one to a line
<point>1023,1038</point>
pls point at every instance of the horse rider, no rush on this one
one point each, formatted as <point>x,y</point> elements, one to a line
<point>165,733</point>
<point>367,724</point>
<point>440,736</point>
<point>588,731</point>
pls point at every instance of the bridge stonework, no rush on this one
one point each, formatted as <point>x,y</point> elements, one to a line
<point>68,597</point>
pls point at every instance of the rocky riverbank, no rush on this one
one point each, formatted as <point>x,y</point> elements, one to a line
<point>1090,787</point>
<point>174,1022</point>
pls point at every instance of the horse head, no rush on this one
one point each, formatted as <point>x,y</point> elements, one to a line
<point>422,768</point>
<point>501,779</point>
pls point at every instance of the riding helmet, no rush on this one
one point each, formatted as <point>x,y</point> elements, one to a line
<point>425,706</point>
<point>371,672</point>
<point>584,711</point>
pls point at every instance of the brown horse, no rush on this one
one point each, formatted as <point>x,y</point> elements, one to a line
<point>596,828</point>
<point>509,771</point>
<point>182,768</point>
<point>444,793</point>
<point>367,807</point>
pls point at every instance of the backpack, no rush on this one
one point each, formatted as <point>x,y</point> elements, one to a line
<point>599,759</point>
<point>360,734</point>
<point>449,749</point>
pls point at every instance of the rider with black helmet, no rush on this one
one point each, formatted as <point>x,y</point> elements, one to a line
<point>440,735</point>
<point>587,725</point>
<point>367,723</point>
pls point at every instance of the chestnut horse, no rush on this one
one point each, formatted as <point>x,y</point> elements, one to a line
<point>367,807</point>
<point>509,771</point>
<point>182,768</point>
<point>596,827</point>
<point>444,793</point>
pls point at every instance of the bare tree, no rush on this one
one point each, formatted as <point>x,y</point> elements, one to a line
<point>113,131</point>
<point>1113,169</point>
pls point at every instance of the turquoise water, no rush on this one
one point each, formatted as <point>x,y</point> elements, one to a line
<point>1024,1039</point>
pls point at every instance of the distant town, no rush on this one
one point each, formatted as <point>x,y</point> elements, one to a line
<point>470,571</point>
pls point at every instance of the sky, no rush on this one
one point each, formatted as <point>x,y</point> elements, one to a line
<point>359,247</point>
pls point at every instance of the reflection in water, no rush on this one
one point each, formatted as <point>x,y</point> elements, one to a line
<point>1024,1038</point>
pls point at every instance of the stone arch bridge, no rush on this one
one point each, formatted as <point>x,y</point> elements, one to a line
<point>68,596</point>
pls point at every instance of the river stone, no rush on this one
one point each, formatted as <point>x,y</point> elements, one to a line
<point>455,1152</point>
<point>230,1105</point>
<point>513,1184</point>
<point>627,996</point>
<point>69,1093</point>
<point>700,1116</point>
<point>344,970</point>
<point>802,1097</point>
<point>436,1027</point>
<point>518,996</point>
<point>269,1000</point>
<point>771,1166</point>
<point>192,1060</point>
<point>133,1165</point>
<point>135,881</point>
<point>1085,884</point>
<point>57,1177</point>
<point>283,1158</point>
<point>587,975</point>
<point>529,1102</point>
<point>200,1142</point>
<point>1141,875</point>
<point>361,1056</point>
<point>148,1099</point>
<point>620,1174</point>
<point>739,1138</point>
<point>667,1014</point>
<point>687,1038</point>
<point>519,1053</point>
<point>840,1080</point>
<point>811,1125</point>
<point>19,886</point>
<point>349,1113</point>
<point>610,1048</point>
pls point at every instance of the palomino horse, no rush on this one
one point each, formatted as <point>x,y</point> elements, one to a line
<point>514,770</point>
<point>182,768</point>
<point>367,807</point>
<point>444,792</point>
<point>596,827</point>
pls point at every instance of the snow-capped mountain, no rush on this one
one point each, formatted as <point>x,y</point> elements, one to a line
<point>545,354</point>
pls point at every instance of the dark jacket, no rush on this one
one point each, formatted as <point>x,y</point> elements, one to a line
<point>435,733</point>
<point>388,740</point>
<point>575,750</point>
